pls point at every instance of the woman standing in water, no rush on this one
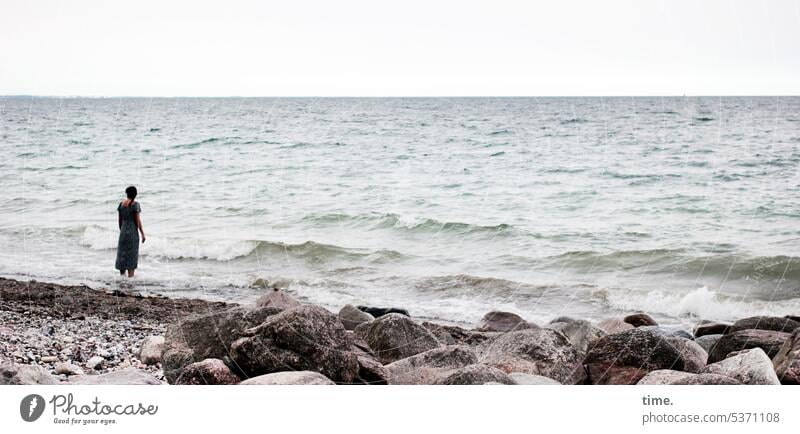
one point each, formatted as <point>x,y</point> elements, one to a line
<point>129,222</point>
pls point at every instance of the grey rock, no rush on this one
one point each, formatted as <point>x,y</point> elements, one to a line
<point>277,298</point>
<point>15,374</point>
<point>537,351</point>
<point>95,362</point>
<point>613,325</point>
<point>497,321</point>
<point>562,319</point>
<point>430,366</point>
<point>768,340</point>
<point>705,328</point>
<point>304,338</point>
<point>750,367</point>
<point>476,374</point>
<point>663,376</point>
<point>524,379</point>
<point>49,359</point>
<point>350,316</point>
<point>707,341</point>
<point>773,323</point>
<point>627,356</point>
<point>67,368</point>
<point>694,356</point>
<point>676,331</point>
<point>707,380</point>
<point>306,378</point>
<point>150,352</point>
<point>787,360</point>
<point>581,334</point>
<point>127,376</point>
<point>454,335</point>
<point>395,336</point>
<point>208,371</point>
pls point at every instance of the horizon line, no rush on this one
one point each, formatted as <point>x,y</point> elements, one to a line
<point>400,96</point>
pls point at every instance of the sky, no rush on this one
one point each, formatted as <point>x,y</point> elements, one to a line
<point>399,48</point>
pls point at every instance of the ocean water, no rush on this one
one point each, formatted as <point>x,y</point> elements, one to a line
<point>685,208</point>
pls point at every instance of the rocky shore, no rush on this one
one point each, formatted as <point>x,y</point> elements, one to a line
<point>53,334</point>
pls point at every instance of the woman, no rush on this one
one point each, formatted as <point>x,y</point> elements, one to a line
<point>129,222</point>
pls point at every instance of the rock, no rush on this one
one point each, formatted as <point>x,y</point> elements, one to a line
<point>95,362</point>
<point>453,335</point>
<point>537,351</point>
<point>707,380</point>
<point>476,374</point>
<point>640,319</point>
<point>613,325</point>
<point>394,336</point>
<point>707,341</point>
<point>787,360</point>
<point>208,371</point>
<point>207,336</point>
<point>676,331</point>
<point>66,368</point>
<point>524,379</point>
<point>496,321</point>
<point>768,340</point>
<point>562,319</point>
<point>750,367</point>
<point>49,359</point>
<point>370,371</point>
<point>581,334</point>
<point>694,356</point>
<point>150,352</point>
<point>773,323</point>
<point>289,378</point>
<point>15,374</point>
<point>278,299</point>
<point>705,328</point>
<point>378,312</point>
<point>127,376</point>
<point>663,376</point>
<point>350,316</point>
<point>627,356</point>
<point>430,366</point>
<point>304,338</point>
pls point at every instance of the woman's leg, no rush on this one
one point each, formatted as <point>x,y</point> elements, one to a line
<point>121,272</point>
<point>130,273</point>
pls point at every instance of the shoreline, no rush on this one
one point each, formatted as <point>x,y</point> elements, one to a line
<point>60,334</point>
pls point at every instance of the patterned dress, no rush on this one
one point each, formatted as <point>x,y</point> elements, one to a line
<point>128,244</point>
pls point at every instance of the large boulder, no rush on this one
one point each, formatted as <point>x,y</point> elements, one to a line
<point>773,323</point>
<point>707,341</point>
<point>208,371</point>
<point>278,299</point>
<point>497,321</point>
<point>476,374</point>
<point>304,378</point>
<point>663,376</point>
<point>371,371</point>
<point>304,338</point>
<point>613,325</point>
<point>430,366</point>
<point>395,336</point>
<point>676,331</point>
<point>207,336</point>
<point>127,376</point>
<point>524,379</point>
<point>151,349</point>
<point>538,351</point>
<point>350,316</point>
<point>750,367</point>
<point>694,356</point>
<point>627,356</point>
<point>787,361</point>
<point>640,319</point>
<point>707,380</point>
<point>705,328</point>
<point>768,340</point>
<point>378,312</point>
<point>15,374</point>
<point>581,334</point>
<point>454,335</point>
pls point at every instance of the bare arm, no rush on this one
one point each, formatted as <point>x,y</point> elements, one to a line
<point>139,225</point>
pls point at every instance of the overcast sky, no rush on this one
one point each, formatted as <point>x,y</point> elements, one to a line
<point>402,47</point>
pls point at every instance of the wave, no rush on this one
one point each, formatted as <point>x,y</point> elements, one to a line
<point>196,144</point>
<point>410,224</point>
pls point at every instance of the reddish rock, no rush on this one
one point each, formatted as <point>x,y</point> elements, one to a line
<point>640,319</point>
<point>208,371</point>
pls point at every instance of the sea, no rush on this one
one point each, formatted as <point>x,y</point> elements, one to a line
<point>686,208</point>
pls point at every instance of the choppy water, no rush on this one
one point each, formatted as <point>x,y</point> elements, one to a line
<point>681,207</point>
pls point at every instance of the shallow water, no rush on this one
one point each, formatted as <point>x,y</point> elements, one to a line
<point>682,207</point>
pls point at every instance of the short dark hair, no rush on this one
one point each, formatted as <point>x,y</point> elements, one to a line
<point>131,192</point>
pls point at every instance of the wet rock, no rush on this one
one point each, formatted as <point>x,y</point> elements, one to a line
<point>694,356</point>
<point>15,374</point>
<point>430,366</point>
<point>497,321</point>
<point>640,319</point>
<point>707,380</point>
<point>304,338</point>
<point>707,341</point>
<point>128,376</point>
<point>378,312</point>
<point>663,376</point>
<point>208,371</point>
<point>537,351</point>
<point>581,334</point>
<point>768,340</point>
<point>613,325</point>
<point>476,374</point>
<point>350,316</point>
<point>524,379</point>
<point>278,299</point>
<point>787,360</point>
<point>750,367</point>
<point>705,328</point>
<point>150,352</point>
<point>394,337</point>
<point>625,357</point>
<point>305,378</point>
<point>773,323</point>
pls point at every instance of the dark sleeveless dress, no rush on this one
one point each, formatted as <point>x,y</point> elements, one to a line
<point>128,244</point>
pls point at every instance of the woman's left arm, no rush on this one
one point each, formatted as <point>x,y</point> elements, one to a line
<point>139,225</point>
